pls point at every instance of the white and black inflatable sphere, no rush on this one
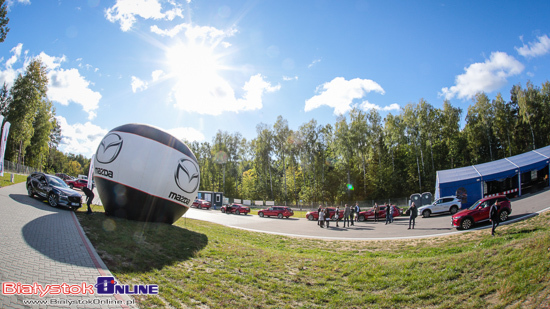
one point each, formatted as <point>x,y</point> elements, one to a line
<point>143,173</point>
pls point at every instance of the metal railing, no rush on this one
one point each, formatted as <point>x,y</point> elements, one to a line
<point>18,168</point>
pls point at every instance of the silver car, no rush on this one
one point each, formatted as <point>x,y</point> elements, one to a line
<point>450,204</point>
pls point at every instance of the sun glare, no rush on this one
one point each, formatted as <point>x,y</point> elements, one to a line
<point>192,61</point>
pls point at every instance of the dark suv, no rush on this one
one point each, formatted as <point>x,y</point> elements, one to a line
<point>479,212</point>
<point>279,211</point>
<point>54,190</point>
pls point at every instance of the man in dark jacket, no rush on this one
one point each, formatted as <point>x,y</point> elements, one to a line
<point>493,216</point>
<point>90,197</point>
<point>413,213</point>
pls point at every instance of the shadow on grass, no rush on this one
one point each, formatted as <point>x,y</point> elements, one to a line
<point>127,246</point>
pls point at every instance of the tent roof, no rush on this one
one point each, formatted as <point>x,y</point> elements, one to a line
<point>496,169</point>
<point>545,151</point>
<point>499,169</point>
<point>455,175</point>
<point>529,161</point>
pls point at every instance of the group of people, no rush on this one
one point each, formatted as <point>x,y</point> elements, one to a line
<point>325,215</point>
<point>351,214</point>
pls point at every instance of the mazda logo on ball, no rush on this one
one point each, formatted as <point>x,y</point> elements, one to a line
<point>109,148</point>
<point>187,175</point>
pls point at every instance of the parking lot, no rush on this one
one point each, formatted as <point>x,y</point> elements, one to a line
<point>436,225</point>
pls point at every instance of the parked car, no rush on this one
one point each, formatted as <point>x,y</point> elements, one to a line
<point>314,215</point>
<point>235,209</point>
<point>201,204</point>
<point>54,190</point>
<point>479,212</point>
<point>369,214</point>
<point>64,177</point>
<point>445,204</point>
<point>77,183</point>
<point>278,211</point>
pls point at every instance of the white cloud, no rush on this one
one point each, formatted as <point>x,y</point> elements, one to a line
<point>198,33</point>
<point>126,11</point>
<point>187,134</point>
<point>535,49</point>
<point>9,74</point>
<point>366,105</point>
<point>64,86</point>
<point>214,95</point>
<point>340,93</point>
<point>314,63</point>
<point>289,78</point>
<point>80,138</point>
<point>487,76</point>
<point>69,86</point>
<point>138,84</point>
<point>157,74</point>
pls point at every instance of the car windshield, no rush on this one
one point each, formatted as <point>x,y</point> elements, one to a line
<point>476,205</point>
<point>57,182</point>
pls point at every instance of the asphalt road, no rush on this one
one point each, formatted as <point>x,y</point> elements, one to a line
<point>436,225</point>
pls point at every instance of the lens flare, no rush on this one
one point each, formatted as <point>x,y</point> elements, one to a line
<point>350,187</point>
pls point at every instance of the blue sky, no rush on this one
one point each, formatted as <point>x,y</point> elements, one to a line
<point>196,67</point>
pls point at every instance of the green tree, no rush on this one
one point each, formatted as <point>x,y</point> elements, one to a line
<point>3,20</point>
<point>28,92</point>
<point>38,149</point>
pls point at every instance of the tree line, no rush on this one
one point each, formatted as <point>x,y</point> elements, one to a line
<point>35,134</point>
<point>364,157</point>
<point>359,157</point>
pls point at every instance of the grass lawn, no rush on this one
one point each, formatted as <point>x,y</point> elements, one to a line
<point>6,179</point>
<point>204,265</point>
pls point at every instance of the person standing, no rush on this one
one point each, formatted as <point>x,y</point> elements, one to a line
<point>387,208</point>
<point>321,217</point>
<point>357,210</point>
<point>347,212</point>
<point>327,217</point>
<point>351,214</point>
<point>493,216</point>
<point>391,212</point>
<point>413,213</point>
<point>89,197</point>
<point>337,215</point>
<point>318,212</point>
<point>376,209</point>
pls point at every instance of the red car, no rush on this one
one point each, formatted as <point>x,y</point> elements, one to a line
<point>279,211</point>
<point>479,212</point>
<point>235,209</point>
<point>201,204</point>
<point>77,183</point>
<point>314,215</point>
<point>369,214</point>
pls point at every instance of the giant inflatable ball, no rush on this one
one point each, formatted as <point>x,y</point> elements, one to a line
<point>143,173</point>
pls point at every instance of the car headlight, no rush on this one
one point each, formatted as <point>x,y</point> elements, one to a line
<point>62,194</point>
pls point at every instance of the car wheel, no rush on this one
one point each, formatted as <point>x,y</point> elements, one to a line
<point>466,224</point>
<point>287,217</point>
<point>200,207</point>
<point>426,213</point>
<point>261,214</point>
<point>30,192</point>
<point>361,218</point>
<point>52,200</point>
<point>310,217</point>
<point>223,210</point>
<point>454,210</point>
<point>503,216</point>
<point>72,186</point>
<point>280,216</point>
<point>237,212</point>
